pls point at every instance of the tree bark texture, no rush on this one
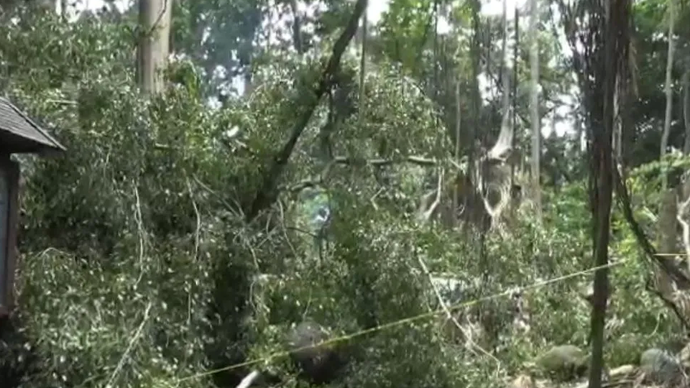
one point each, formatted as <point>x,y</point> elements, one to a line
<point>667,88</point>
<point>612,18</point>
<point>534,104</point>
<point>154,20</point>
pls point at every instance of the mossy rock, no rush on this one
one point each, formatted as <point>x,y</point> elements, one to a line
<point>563,363</point>
<point>660,367</point>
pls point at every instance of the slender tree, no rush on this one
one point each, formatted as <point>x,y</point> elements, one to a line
<point>685,84</point>
<point>534,103</point>
<point>514,91</point>
<point>667,87</point>
<point>610,34</point>
<point>669,208</point>
<point>363,64</point>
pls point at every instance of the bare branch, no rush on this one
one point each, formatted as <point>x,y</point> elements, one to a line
<point>248,379</point>
<point>418,160</point>
<point>471,344</point>
<point>425,214</point>
<point>130,346</point>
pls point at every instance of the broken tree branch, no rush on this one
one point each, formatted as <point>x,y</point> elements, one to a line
<point>268,191</point>
<point>418,160</point>
<point>682,210</point>
<point>665,263</point>
<point>424,215</point>
<point>472,346</point>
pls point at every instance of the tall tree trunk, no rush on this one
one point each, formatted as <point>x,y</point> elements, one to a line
<point>513,144</point>
<point>668,209</point>
<point>622,123</point>
<point>504,52</point>
<point>685,82</point>
<point>297,28</point>
<point>534,104</point>
<point>61,7</point>
<point>506,136</point>
<point>666,227</point>
<point>617,122</point>
<point>614,31</point>
<point>667,233</point>
<point>154,19</point>
<point>472,203</point>
<point>669,91</point>
<point>363,65</point>
<point>505,71</point>
<point>458,127</point>
<point>686,110</point>
<point>248,84</point>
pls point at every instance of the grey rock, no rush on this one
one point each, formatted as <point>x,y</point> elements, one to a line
<point>660,367</point>
<point>565,362</point>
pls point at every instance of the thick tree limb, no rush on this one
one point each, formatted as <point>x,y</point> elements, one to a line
<point>268,191</point>
<point>666,264</point>
<point>669,303</point>
<point>412,159</point>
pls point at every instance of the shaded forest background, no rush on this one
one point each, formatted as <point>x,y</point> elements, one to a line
<point>427,180</point>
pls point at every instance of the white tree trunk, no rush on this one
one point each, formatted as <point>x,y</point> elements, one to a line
<point>154,19</point>
<point>534,104</point>
<point>686,110</point>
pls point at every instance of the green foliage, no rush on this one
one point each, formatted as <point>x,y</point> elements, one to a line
<point>405,29</point>
<point>139,267</point>
<point>133,237</point>
<point>564,362</point>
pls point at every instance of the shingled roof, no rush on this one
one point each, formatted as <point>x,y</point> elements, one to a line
<point>19,134</point>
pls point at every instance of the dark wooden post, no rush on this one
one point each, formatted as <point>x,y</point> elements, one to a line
<point>9,211</point>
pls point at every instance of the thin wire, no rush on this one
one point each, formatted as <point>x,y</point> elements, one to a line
<point>400,322</point>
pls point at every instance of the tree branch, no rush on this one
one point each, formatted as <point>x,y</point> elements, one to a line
<point>472,346</point>
<point>666,264</point>
<point>268,191</point>
<point>418,160</point>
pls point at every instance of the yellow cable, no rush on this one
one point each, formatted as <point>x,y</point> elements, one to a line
<point>399,322</point>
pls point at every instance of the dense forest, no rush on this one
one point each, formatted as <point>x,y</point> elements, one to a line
<point>351,193</point>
